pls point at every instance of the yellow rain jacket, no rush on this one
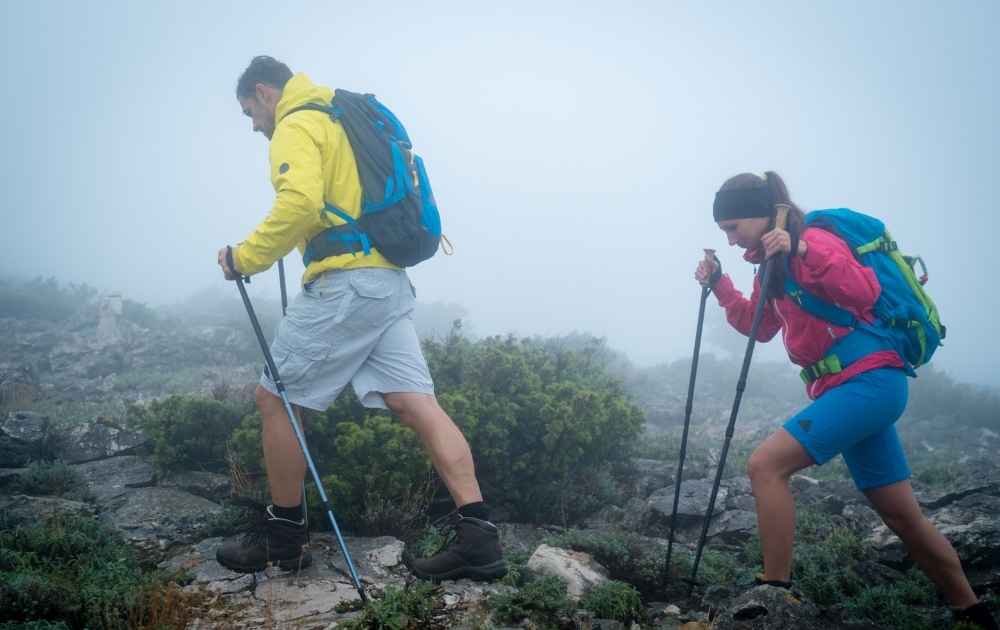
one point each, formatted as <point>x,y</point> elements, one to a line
<point>311,163</point>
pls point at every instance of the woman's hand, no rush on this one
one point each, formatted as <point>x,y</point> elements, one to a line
<point>779,241</point>
<point>708,271</point>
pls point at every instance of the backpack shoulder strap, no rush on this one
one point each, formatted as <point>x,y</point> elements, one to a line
<point>815,305</point>
<point>315,107</point>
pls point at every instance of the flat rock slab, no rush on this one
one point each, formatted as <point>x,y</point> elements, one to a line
<point>111,478</point>
<point>155,519</point>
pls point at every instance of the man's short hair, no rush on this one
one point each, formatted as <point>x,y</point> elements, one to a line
<point>262,69</point>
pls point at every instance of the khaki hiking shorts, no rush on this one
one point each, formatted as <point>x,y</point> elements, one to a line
<point>353,326</point>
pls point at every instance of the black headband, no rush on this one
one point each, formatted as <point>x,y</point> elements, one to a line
<point>743,203</point>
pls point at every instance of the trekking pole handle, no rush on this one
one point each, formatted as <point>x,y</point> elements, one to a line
<point>232,265</point>
<point>717,274</point>
<point>781,215</point>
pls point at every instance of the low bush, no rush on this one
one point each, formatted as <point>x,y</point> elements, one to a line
<point>614,600</point>
<point>188,431</point>
<point>409,608</point>
<point>74,572</point>
<point>542,600</point>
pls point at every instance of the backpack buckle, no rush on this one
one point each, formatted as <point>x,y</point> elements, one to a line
<point>824,367</point>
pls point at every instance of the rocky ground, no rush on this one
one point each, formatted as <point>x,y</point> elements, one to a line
<point>59,382</point>
<point>173,521</point>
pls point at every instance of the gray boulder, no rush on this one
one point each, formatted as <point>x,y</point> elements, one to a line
<point>692,504</point>
<point>108,479</point>
<point>98,439</point>
<point>771,608</point>
<point>26,436</point>
<point>970,523</point>
<point>580,571</point>
<point>153,520</point>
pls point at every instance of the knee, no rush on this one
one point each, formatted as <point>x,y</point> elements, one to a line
<point>397,405</point>
<point>760,468</point>
<point>406,408</point>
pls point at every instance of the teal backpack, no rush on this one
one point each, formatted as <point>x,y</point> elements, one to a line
<point>906,319</point>
<point>399,215</point>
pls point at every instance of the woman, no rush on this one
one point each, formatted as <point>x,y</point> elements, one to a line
<point>853,411</point>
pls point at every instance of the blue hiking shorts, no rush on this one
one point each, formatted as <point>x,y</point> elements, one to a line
<point>857,419</point>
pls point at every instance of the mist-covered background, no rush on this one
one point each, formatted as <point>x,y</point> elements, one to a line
<point>574,147</point>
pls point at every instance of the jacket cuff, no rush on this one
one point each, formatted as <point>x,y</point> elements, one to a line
<point>724,291</point>
<point>239,266</point>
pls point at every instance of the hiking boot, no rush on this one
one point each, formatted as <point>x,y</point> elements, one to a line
<point>473,552</point>
<point>275,540</point>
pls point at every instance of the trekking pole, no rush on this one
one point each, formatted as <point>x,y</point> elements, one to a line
<point>765,269</point>
<point>280,386</point>
<point>705,290</point>
<point>281,280</point>
<point>284,311</point>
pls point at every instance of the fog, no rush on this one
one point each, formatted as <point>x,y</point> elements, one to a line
<point>574,148</point>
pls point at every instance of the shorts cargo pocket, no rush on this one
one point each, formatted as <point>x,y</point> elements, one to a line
<point>370,298</point>
<point>301,341</point>
<point>375,286</point>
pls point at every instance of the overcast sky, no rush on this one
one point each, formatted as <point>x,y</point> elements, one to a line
<point>574,147</point>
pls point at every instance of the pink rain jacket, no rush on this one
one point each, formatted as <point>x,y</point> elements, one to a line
<point>829,271</point>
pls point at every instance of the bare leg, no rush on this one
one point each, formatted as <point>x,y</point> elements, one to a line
<point>770,466</point>
<point>286,467</point>
<point>932,552</point>
<point>443,441</point>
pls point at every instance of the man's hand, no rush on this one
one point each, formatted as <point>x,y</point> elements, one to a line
<point>227,271</point>
<point>779,241</point>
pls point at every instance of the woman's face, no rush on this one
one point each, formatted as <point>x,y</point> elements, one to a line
<point>745,232</point>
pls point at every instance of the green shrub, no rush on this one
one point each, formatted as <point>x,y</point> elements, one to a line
<point>49,479</point>
<point>542,600</point>
<point>614,600</point>
<point>188,431</point>
<point>380,474</point>
<point>74,572</point>
<point>374,470</point>
<point>409,608</point>
<point>938,473</point>
<point>547,426</point>
<point>825,556</point>
<point>900,604</point>
<point>70,569</point>
<point>517,568</point>
<point>548,432</point>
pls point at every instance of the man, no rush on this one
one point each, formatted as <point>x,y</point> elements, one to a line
<point>352,323</point>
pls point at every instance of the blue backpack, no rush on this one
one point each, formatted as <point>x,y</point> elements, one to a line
<point>399,215</point>
<point>907,320</point>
